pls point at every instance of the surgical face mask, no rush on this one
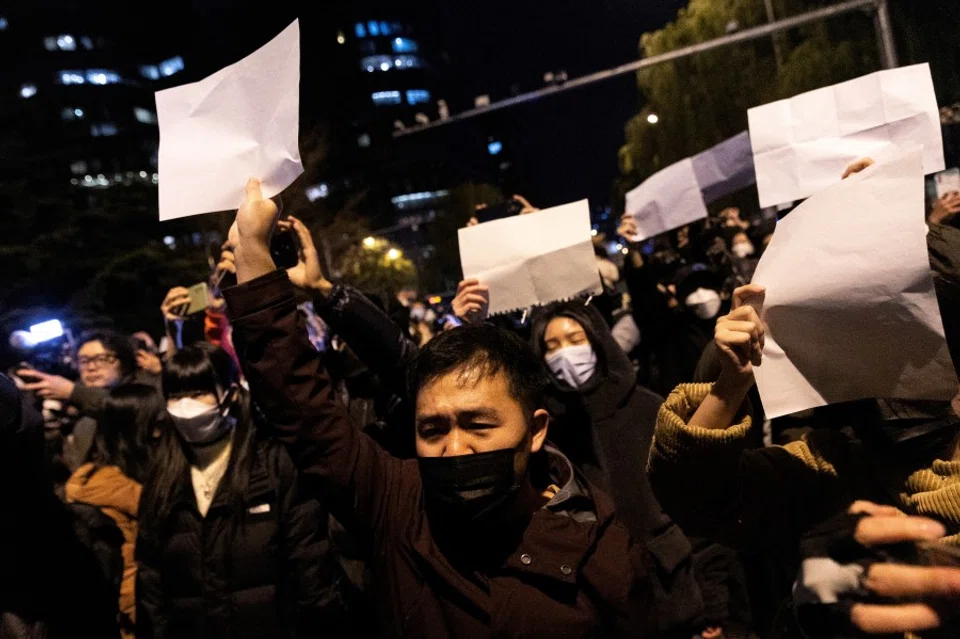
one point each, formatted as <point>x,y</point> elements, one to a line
<point>417,313</point>
<point>742,249</point>
<point>704,303</point>
<point>198,423</point>
<point>574,365</point>
<point>470,488</point>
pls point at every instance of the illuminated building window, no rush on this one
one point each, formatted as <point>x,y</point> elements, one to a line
<point>418,96</point>
<point>373,63</point>
<point>404,45</point>
<point>87,43</point>
<point>103,129</point>
<point>28,90</point>
<point>171,66</point>
<point>71,113</point>
<point>494,148</point>
<point>381,98</point>
<point>373,28</point>
<point>385,29</point>
<point>150,71</point>
<point>359,30</point>
<point>3,23</point>
<point>144,115</point>
<point>78,168</point>
<point>102,76</point>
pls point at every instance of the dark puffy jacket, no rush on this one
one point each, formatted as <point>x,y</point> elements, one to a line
<point>256,571</point>
<point>606,429</point>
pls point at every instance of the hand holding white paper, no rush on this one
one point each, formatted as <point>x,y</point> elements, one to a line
<point>532,259</point>
<point>850,307</point>
<point>802,145</point>
<point>240,122</point>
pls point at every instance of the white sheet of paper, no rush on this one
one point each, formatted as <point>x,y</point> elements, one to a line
<point>850,307</point>
<point>802,145</point>
<point>667,200</point>
<point>241,122</point>
<point>532,259</point>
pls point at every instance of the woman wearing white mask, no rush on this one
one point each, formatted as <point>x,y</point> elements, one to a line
<point>603,421</point>
<point>228,545</point>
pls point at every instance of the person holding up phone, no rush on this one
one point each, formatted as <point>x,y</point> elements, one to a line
<point>105,359</point>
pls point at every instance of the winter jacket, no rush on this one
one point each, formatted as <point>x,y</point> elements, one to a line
<point>711,484</point>
<point>117,496</point>
<point>51,584</point>
<point>387,351</point>
<point>257,570</point>
<point>606,429</point>
<point>572,571</point>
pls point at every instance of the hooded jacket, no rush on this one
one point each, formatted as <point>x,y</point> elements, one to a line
<point>606,429</point>
<point>571,571</point>
<point>118,497</point>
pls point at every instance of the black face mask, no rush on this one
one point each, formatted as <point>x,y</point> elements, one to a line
<point>471,488</point>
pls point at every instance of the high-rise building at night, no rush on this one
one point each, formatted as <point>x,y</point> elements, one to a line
<point>78,83</point>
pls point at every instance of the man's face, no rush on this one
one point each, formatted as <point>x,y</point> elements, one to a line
<point>466,412</point>
<point>99,368</point>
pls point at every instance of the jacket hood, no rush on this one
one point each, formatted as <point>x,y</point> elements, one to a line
<point>104,487</point>
<point>615,372</point>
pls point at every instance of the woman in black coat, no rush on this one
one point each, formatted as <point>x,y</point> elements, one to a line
<point>603,421</point>
<point>228,545</point>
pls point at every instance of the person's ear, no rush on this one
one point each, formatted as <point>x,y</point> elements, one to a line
<point>538,429</point>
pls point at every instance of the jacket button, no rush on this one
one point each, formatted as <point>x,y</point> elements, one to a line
<point>526,559</point>
<point>565,569</point>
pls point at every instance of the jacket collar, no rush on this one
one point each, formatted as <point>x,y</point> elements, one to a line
<point>562,534</point>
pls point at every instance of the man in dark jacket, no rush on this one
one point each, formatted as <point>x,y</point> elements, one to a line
<point>604,422</point>
<point>486,533</point>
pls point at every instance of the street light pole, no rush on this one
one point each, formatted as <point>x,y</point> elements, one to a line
<point>888,46</point>
<point>777,49</point>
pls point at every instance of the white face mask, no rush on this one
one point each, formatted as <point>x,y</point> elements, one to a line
<point>197,422</point>
<point>742,249</point>
<point>574,365</point>
<point>704,303</point>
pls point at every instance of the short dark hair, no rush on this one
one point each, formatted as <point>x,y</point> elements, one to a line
<point>490,350</point>
<point>116,343</point>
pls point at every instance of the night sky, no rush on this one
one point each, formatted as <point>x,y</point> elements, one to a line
<point>564,147</point>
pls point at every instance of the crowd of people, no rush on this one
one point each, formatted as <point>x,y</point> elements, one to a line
<point>300,459</point>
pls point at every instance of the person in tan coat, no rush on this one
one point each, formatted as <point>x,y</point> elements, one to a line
<point>710,482</point>
<point>112,482</point>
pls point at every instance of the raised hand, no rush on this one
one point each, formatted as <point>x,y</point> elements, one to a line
<point>308,272</point>
<point>175,304</point>
<point>254,226</point>
<point>945,208</point>
<point>527,207</point>
<point>149,362</point>
<point>739,336</point>
<point>45,385</point>
<point>472,301</point>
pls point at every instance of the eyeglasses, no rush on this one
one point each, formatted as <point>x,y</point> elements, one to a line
<point>97,360</point>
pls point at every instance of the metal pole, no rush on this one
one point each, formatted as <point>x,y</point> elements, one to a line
<point>746,35</point>
<point>777,49</point>
<point>888,46</point>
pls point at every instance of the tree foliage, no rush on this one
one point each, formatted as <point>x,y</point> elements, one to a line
<point>703,99</point>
